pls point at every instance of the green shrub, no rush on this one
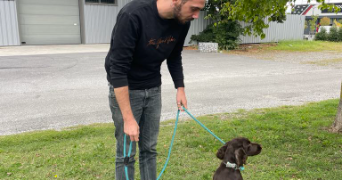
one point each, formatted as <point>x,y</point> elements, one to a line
<point>333,34</point>
<point>207,35</point>
<point>322,35</point>
<point>340,34</point>
<point>226,34</point>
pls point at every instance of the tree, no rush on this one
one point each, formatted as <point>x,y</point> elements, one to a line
<point>337,125</point>
<point>226,16</point>
<point>325,21</point>
<point>258,13</point>
<point>337,23</point>
<point>313,24</point>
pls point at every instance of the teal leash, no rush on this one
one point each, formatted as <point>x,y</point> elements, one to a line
<point>126,158</point>
<point>168,157</point>
<point>203,126</point>
<point>170,148</point>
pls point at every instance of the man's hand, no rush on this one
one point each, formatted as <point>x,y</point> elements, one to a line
<point>131,128</point>
<point>181,99</point>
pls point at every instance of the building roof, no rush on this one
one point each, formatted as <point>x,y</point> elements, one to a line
<point>299,9</point>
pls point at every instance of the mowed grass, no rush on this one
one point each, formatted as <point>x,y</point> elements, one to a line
<point>295,140</point>
<point>307,46</point>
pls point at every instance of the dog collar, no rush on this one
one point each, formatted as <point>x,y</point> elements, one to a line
<point>234,166</point>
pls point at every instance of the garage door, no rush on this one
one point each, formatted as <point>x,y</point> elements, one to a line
<point>49,21</point>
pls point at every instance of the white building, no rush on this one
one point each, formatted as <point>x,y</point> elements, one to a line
<point>309,10</point>
<point>44,22</point>
<point>34,22</point>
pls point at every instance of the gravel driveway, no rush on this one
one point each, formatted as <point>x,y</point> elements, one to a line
<point>55,91</point>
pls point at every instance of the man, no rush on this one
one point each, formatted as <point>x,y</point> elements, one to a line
<point>146,33</point>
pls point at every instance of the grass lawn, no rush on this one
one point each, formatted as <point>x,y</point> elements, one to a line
<point>289,46</point>
<point>296,145</point>
<point>307,46</point>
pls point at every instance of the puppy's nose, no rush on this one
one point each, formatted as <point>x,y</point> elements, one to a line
<point>259,148</point>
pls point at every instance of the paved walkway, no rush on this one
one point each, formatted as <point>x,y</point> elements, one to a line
<point>52,49</point>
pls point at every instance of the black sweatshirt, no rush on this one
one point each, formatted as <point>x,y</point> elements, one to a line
<point>141,41</point>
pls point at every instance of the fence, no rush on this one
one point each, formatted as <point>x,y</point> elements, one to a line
<point>291,29</point>
<point>9,31</point>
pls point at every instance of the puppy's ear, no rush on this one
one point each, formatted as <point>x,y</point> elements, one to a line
<point>241,157</point>
<point>246,143</point>
<point>221,151</point>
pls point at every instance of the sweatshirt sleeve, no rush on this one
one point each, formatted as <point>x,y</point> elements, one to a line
<point>123,42</point>
<point>174,61</point>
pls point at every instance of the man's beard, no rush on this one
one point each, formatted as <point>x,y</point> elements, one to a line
<point>178,16</point>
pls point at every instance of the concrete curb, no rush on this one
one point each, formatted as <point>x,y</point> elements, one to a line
<point>52,49</point>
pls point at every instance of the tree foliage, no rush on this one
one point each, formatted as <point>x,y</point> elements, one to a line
<point>340,34</point>
<point>313,24</point>
<point>226,16</point>
<point>333,34</point>
<point>257,13</point>
<point>325,21</point>
<point>322,35</point>
<point>225,34</point>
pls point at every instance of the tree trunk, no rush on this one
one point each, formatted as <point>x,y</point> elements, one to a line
<point>337,126</point>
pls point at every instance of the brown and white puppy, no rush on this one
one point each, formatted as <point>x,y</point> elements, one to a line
<point>234,155</point>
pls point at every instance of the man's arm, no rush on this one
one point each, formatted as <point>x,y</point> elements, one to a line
<point>120,57</point>
<point>174,63</point>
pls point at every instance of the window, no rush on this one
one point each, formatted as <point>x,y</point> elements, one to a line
<point>101,1</point>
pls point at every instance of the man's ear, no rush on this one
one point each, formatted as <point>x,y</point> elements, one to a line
<point>241,157</point>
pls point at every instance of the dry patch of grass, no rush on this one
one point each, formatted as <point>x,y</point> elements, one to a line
<point>192,47</point>
<point>326,62</point>
<point>253,48</point>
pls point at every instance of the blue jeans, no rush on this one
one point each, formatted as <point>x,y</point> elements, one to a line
<point>146,108</point>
